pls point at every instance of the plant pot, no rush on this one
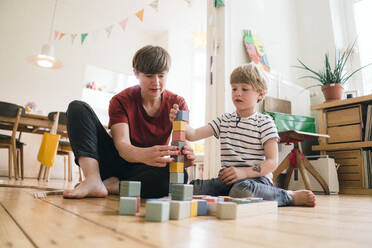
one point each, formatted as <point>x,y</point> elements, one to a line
<point>332,92</point>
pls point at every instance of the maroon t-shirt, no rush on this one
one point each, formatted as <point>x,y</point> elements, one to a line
<point>145,131</point>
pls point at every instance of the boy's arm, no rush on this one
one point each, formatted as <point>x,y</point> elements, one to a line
<point>233,174</point>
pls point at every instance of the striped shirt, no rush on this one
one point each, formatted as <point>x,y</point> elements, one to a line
<point>242,139</point>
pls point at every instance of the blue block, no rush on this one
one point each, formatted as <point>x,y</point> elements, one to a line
<point>202,207</point>
<point>128,206</point>
<point>182,115</point>
<point>130,188</point>
<point>179,144</point>
<point>157,211</point>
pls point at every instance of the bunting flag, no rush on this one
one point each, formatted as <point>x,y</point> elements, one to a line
<point>109,30</point>
<point>123,23</point>
<point>139,14</point>
<point>155,5</point>
<point>56,35</point>
<point>83,36</point>
<point>61,35</point>
<point>218,3</point>
<point>73,36</point>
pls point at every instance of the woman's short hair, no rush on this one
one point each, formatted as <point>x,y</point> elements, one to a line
<point>151,60</point>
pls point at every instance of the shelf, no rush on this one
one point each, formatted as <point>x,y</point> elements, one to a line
<point>343,146</point>
<point>351,191</point>
<point>350,101</point>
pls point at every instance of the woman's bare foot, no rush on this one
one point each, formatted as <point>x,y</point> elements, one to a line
<point>112,185</point>
<point>303,198</point>
<point>90,187</point>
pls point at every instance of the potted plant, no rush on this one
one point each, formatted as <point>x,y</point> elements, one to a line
<point>332,80</point>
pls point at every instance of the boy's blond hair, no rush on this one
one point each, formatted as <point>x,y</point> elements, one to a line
<point>250,74</point>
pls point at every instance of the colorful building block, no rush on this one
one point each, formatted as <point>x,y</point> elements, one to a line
<point>179,144</point>
<point>130,188</point>
<point>182,192</point>
<point>128,205</point>
<point>202,207</point>
<point>179,210</point>
<point>179,126</point>
<point>180,158</point>
<point>176,167</point>
<point>176,178</point>
<point>193,208</point>
<point>240,200</point>
<point>179,135</point>
<point>224,198</point>
<point>182,115</point>
<point>226,210</point>
<point>157,211</point>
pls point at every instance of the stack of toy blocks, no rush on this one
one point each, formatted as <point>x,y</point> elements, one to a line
<point>178,139</point>
<point>130,200</point>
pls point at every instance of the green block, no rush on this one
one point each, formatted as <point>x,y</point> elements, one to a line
<point>130,188</point>
<point>226,210</point>
<point>128,206</point>
<point>157,211</point>
<point>176,178</point>
<point>182,192</point>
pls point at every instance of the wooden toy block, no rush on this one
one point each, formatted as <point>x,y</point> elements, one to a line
<point>202,207</point>
<point>128,205</point>
<point>138,204</point>
<point>130,188</point>
<point>176,167</point>
<point>198,197</point>
<point>182,115</point>
<point>241,200</point>
<point>179,135</point>
<point>182,192</point>
<point>157,211</point>
<point>179,126</point>
<point>211,208</point>
<point>193,208</point>
<point>180,158</point>
<point>179,210</point>
<point>255,199</point>
<point>224,198</point>
<point>211,199</point>
<point>179,144</point>
<point>176,178</point>
<point>257,208</point>
<point>226,210</point>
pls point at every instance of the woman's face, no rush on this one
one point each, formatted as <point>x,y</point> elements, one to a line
<point>152,85</point>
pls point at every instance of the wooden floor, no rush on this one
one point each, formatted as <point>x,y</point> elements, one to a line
<point>336,221</point>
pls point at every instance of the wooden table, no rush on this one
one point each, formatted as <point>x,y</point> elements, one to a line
<point>32,123</point>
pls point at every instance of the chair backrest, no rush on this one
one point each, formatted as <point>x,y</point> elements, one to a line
<point>62,117</point>
<point>10,109</point>
<point>272,104</point>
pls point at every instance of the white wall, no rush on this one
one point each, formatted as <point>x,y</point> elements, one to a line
<point>25,26</point>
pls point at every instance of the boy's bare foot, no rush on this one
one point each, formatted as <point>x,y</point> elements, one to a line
<point>90,187</point>
<point>303,198</point>
<point>112,185</point>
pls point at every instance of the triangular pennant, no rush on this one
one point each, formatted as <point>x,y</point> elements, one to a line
<point>73,36</point>
<point>56,33</point>
<point>218,3</point>
<point>83,36</point>
<point>155,4</point>
<point>109,30</point>
<point>139,14</point>
<point>123,23</point>
<point>61,35</point>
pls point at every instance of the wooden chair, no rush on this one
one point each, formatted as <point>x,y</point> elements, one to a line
<point>64,148</point>
<point>14,145</point>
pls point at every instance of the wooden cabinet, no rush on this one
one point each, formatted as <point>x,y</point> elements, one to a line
<point>343,121</point>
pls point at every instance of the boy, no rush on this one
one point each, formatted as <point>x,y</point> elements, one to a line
<point>249,149</point>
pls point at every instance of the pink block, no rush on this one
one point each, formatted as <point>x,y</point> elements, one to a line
<point>138,204</point>
<point>178,136</point>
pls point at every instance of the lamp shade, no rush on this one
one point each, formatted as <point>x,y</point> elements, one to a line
<point>46,58</point>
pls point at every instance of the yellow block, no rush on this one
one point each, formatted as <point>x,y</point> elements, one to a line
<point>48,149</point>
<point>179,125</point>
<point>176,167</point>
<point>193,208</point>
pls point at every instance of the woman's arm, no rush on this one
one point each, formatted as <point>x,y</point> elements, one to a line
<point>154,156</point>
<point>232,174</point>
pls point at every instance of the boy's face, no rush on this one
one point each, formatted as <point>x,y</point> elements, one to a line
<point>152,85</point>
<point>244,96</point>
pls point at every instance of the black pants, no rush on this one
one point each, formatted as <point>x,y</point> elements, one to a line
<point>89,138</point>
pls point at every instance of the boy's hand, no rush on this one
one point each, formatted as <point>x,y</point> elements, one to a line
<point>156,155</point>
<point>189,156</point>
<point>173,112</point>
<point>232,174</point>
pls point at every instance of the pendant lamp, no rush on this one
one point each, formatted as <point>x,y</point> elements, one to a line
<point>46,58</point>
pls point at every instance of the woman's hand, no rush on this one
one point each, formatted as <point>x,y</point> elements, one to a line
<point>157,155</point>
<point>173,112</point>
<point>189,156</point>
<point>232,174</point>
